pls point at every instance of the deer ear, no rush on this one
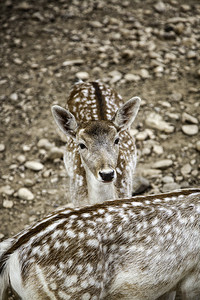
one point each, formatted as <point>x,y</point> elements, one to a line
<point>65,120</point>
<point>126,114</point>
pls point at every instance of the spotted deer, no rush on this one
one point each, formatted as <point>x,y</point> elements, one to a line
<point>100,156</point>
<point>145,247</point>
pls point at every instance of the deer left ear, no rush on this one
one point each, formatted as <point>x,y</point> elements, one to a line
<point>65,120</point>
<point>126,114</point>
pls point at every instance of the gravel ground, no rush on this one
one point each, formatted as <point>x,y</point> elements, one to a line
<point>149,49</point>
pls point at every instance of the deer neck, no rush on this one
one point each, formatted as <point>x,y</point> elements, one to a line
<point>99,192</point>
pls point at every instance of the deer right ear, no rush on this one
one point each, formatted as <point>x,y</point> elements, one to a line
<point>65,120</point>
<point>126,114</point>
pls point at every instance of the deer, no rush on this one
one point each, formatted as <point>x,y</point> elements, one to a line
<point>140,248</point>
<point>100,155</point>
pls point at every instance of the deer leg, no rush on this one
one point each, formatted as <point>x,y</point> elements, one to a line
<point>168,296</point>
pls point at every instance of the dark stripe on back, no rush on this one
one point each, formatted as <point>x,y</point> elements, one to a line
<point>100,101</point>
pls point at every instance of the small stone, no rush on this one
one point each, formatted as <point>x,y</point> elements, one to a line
<point>1,236</point>
<point>159,69</point>
<point>185,7</point>
<point>170,56</point>
<point>179,28</point>
<point>150,172</point>
<point>198,146</point>
<point>190,129</point>
<point>116,76</point>
<point>162,164</point>
<point>167,179</point>
<point>170,187</point>
<point>72,62</point>
<point>34,165</point>
<point>7,190</point>
<point>144,73</point>
<point>7,203</point>
<point>18,61</point>
<point>188,118</point>
<point>186,169</point>
<point>176,97</point>
<point>47,173</point>
<point>155,121</point>
<point>140,185</point>
<point>158,149</point>
<point>2,147</point>
<point>160,7</point>
<point>132,77</point>
<point>96,24</point>
<point>28,182</point>
<point>141,136</point>
<point>25,194</point>
<point>44,143</point>
<point>191,54</point>
<point>82,75</point>
<point>14,97</point>
<point>55,152</point>
<point>21,158</point>
<point>26,148</point>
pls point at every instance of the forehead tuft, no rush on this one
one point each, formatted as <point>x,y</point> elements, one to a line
<point>98,128</point>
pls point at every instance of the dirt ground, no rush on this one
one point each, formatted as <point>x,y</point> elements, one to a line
<point>144,48</point>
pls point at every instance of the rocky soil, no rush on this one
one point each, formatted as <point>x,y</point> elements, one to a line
<point>144,48</point>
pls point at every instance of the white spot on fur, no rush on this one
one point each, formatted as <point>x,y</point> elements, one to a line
<point>70,280</point>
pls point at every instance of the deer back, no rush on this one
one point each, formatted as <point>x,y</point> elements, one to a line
<point>139,248</point>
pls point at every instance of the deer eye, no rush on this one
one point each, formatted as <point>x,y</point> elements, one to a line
<point>116,141</point>
<point>82,146</point>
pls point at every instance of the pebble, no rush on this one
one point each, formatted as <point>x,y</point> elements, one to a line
<point>44,143</point>
<point>158,149</point>
<point>162,164</point>
<point>155,121</point>
<point>14,97</point>
<point>26,148</point>
<point>198,146</point>
<point>116,76</point>
<point>2,147</point>
<point>34,165</point>
<point>7,190</point>
<point>188,118</point>
<point>158,69</point>
<point>25,194</point>
<point>160,7</point>
<point>28,182</point>
<point>55,152</point>
<point>170,187</point>
<point>1,236</point>
<point>150,172</point>
<point>167,179</point>
<point>47,173</point>
<point>21,158</point>
<point>72,62</point>
<point>131,77</point>
<point>191,54</point>
<point>7,203</point>
<point>186,169</point>
<point>176,97</point>
<point>141,136</point>
<point>190,129</point>
<point>144,73</point>
<point>17,61</point>
<point>82,75</point>
<point>140,185</point>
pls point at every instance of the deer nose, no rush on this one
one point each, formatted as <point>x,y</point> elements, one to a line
<point>107,176</point>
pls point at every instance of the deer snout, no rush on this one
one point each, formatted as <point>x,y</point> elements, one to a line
<point>107,175</point>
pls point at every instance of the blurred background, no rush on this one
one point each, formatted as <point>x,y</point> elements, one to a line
<point>140,48</point>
